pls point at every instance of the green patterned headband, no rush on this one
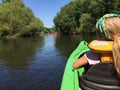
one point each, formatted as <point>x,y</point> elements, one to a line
<point>100,25</point>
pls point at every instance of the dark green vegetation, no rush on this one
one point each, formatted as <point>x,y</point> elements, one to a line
<point>75,17</point>
<point>18,20</point>
<point>81,15</point>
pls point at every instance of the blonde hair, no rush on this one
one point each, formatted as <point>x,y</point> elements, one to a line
<point>113,29</point>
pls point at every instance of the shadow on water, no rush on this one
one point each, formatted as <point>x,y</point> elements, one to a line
<point>67,43</point>
<point>16,55</point>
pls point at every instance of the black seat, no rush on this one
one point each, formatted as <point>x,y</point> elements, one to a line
<point>101,76</point>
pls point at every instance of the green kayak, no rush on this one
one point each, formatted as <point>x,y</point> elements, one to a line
<point>100,76</point>
<point>70,76</point>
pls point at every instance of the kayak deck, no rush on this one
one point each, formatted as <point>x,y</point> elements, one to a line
<point>70,77</point>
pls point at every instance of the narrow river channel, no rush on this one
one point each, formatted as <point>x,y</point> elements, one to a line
<point>35,63</point>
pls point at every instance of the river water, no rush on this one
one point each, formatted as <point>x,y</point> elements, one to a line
<point>35,63</point>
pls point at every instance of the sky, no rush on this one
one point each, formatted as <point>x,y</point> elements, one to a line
<point>45,10</point>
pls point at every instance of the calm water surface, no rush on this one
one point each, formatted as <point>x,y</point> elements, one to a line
<point>35,63</point>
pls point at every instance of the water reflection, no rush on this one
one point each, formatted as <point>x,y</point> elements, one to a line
<point>67,43</point>
<point>35,63</point>
<point>16,55</point>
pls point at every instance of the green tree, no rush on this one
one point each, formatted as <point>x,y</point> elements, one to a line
<point>82,15</point>
<point>18,19</point>
<point>65,21</point>
<point>6,1</point>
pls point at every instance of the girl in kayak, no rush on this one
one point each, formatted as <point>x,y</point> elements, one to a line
<point>109,26</point>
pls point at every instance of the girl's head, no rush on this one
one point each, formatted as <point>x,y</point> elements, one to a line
<point>112,26</point>
<point>109,25</point>
<point>105,23</point>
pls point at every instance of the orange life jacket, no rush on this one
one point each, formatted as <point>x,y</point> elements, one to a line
<point>104,48</point>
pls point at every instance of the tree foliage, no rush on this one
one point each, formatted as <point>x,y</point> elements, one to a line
<point>82,15</point>
<point>18,20</point>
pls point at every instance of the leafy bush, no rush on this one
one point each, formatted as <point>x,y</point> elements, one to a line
<point>4,31</point>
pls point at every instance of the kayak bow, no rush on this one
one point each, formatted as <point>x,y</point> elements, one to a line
<point>70,77</point>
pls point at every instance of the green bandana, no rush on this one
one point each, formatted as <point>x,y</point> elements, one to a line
<point>100,25</point>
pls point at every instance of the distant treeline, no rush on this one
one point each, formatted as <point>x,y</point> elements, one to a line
<point>81,15</point>
<point>18,20</point>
